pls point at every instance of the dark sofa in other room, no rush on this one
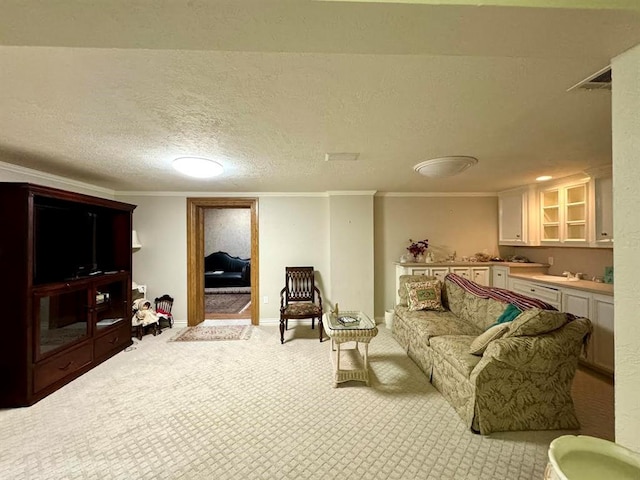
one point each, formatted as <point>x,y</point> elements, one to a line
<point>223,270</point>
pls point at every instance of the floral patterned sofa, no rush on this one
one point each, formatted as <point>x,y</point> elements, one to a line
<point>520,372</point>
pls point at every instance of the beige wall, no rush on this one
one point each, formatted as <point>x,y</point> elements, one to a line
<point>466,225</point>
<point>294,231</point>
<point>626,217</point>
<point>351,252</point>
<point>228,230</point>
<point>161,263</point>
<point>589,261</point>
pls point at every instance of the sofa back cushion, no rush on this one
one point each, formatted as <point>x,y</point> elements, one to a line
<point>225,262</point>
<point>535,321</point>
<point>481,312</point>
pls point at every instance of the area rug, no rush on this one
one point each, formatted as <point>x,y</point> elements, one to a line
<point>226,302</point>
<point>202,333</point>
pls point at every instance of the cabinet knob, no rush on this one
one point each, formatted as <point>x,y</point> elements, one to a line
<point>604,234</point>
<point>517,235</point>
<point>499,274</point>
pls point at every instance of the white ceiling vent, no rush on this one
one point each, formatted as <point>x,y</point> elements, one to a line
<point>341,157</point>
<point>601,80</point>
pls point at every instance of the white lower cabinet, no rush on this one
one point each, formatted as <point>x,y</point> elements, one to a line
<point>464,272</point>
<point>602,349</point>
<point>599,309</point>
<point>438,272</point>
<point>499,277</point>
<point>481,275</point>
<point>547,294</point>
<point>577,302</point>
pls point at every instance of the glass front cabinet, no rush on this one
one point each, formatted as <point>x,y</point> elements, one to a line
<point>564,214</point>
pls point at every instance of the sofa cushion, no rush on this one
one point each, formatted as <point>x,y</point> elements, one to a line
<point>429,323</point>
<point>425,295</point>
<point>479,344</point>
<point>535,321</point>
<point>455,350</point>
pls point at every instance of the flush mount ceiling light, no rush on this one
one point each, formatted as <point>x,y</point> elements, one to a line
<point>197,167</point>
<point>445,166</point>
<point>543,178</point>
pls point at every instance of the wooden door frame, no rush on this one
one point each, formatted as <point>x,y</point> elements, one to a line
<point>195,254</point>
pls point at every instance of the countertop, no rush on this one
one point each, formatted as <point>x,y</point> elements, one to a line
<point>473,264</point>
<point>586,285</point>
<point>525,271</point>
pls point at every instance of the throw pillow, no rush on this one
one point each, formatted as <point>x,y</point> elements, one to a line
<point>535,321</point>
<point>510,313</point>
<point>479,344</point>
<point>425,295</point>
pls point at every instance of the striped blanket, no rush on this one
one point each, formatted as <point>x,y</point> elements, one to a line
<point>500,294</point>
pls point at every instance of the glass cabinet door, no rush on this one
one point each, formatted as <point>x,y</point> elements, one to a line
<point>576,213</point>
<point>550,215</point>
<point>61,319</point>
<point>111,304</point>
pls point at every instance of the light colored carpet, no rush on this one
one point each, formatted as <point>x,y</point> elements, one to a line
<point>255,410</point>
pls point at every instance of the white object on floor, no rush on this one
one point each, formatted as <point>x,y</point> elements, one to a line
<point>580,457</point>
<point>224,323</point>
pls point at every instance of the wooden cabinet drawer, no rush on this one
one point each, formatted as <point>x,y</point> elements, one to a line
<point>57,368</point>
<point>113,339</point>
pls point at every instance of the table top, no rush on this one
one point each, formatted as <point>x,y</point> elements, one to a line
<point>333,322</point>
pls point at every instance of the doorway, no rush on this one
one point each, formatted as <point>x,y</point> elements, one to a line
<point>196,212</point>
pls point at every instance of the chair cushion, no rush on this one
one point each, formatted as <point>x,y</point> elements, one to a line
<point>425,295</point>
<point>298,309</point>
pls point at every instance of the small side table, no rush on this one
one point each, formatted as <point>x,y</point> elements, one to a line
<point>362,332</point>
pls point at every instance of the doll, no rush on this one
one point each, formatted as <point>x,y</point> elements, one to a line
<point>144,315</point>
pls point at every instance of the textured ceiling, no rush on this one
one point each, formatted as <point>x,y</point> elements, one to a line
<point>110,92</point>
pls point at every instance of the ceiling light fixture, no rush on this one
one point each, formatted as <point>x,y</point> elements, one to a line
<point>543,178</point>
<point>197,167</point>
<point>445,166</point>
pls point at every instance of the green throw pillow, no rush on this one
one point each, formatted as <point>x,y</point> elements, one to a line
<point>425,295</point>
<point>510,313</point>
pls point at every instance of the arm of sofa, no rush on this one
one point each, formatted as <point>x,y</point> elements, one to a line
<point>246,272</point>
<point>541,353</point>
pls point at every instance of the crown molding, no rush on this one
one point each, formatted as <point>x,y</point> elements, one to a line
<point>38,175</point>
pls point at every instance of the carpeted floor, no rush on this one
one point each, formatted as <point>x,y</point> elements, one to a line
<point>256,410</point>
<point>226,302</point>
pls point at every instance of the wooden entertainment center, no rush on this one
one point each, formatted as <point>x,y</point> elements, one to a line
<point>66,287</point>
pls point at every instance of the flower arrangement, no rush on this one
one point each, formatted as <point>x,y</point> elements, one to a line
<point>418,248</point>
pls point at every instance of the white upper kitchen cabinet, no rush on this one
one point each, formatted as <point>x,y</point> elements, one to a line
<point>516,217</point>
<point>564,214</point>
<point>603,191</point>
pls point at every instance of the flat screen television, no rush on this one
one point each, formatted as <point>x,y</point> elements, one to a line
<point>65,242</point>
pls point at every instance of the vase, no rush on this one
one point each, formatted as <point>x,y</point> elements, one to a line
<point>420,258</point>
